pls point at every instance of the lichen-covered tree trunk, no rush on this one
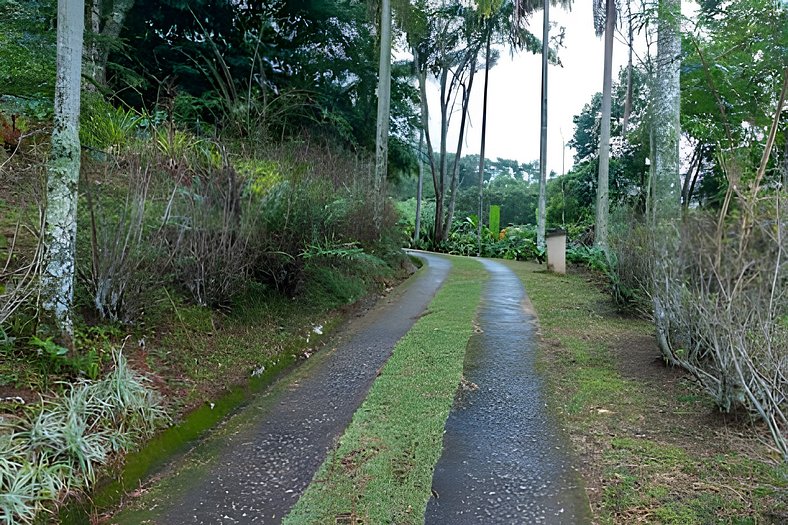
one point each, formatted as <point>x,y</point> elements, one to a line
<point>602,193</point>
<point>667,184</point>
<point>384,103</point>
<point>57,280</point>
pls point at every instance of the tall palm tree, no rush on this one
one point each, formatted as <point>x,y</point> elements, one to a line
<point>604,22</point>
<point>384,105</point>
<point>541,218</point>
<point>522,8</point>
<point>484,133</point>
<point>630,52</point>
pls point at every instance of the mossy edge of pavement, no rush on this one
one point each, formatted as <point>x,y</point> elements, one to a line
<point>653,447</point>
<point>381,469</point>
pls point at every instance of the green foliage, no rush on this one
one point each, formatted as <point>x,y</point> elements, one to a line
<point>27,48</point>
<point>53,451</point>
<point>56,359</point>
<point>731,74</point>
<point>590,256</point>
<point>516,243</point>
<point>313,207</point>
<point>495,220</point>
<point>407,218</point>
<point>332,285</point>
<point>348,251</point>
<point>267,69</point>
<point>109,129</point>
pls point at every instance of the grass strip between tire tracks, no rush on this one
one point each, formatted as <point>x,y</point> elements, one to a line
<point>381,469</point>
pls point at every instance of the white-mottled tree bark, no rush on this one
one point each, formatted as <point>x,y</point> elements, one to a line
<point>384,108</point>
<point>57,280</point>
<point>666,185</point>
<point>602,192</point>
<point>667,110</point>
<point>541,217</point>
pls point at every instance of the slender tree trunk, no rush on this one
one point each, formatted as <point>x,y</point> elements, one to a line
<point>440,194</point>
<point>667,180</point>
<point>57,279</point>
<point>484,139</point>
<point>667,196</point>
<point>456,164</point>
<point>541,218</point>
<point>628,100</point>
<point>602,192</point>
<point>691,190</point>
<point>417,231</point>
<point>384,103</point>
<point>104,34</point>
<point>784,168</point>
<point>690,177</point>
<point>425,117</point>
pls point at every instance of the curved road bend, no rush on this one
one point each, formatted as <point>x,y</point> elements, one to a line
<point>504,458</point>
<point>262,467</point>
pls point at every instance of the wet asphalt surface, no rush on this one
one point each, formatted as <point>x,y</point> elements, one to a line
<point>260,472</point>
<point>504,458</point>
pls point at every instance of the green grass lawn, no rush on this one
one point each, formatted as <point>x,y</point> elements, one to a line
<point>381,469</point>
<point>653,448</point>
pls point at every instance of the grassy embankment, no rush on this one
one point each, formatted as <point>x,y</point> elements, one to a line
<point>381,470</point>
<point>653,448</point>
<point>194,353</point>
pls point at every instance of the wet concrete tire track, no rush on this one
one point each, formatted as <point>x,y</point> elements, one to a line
<point>504,458</point>
<point>262,469</point>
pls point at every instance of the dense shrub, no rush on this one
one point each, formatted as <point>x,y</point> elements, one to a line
<point>209,234</point>
<point>313,202</point>
<point>719,298</point>
<point>514,243</point>
<point>121,261</point>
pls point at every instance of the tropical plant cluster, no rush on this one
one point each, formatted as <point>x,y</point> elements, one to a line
<point>54,450</point>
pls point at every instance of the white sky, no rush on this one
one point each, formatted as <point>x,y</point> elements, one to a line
<point>513,114</point>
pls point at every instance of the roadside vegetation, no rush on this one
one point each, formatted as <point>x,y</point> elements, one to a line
<point>213,267</point>
<point>652,446</point>
<point>211,193</point>
<point>217,239</point>
<point>381,468</point>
